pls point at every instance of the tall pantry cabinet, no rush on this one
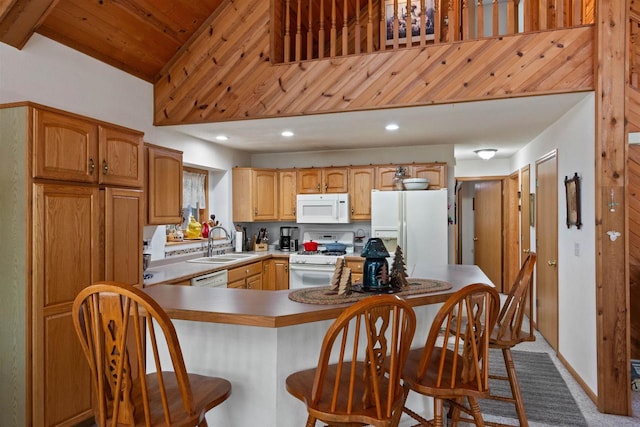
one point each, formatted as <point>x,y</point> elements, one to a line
<point>72,209</point>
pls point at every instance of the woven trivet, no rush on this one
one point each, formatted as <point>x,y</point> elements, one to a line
<point>323,295</point>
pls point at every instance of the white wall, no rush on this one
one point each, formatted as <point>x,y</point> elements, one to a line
<point>574,137</point>
<point>51,74</point>
<point>478,168</point>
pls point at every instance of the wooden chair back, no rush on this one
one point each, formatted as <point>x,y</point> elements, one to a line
<point>455,357</point>
<point>376,332</point>
<point>509,330</point>
<point>110,319</point>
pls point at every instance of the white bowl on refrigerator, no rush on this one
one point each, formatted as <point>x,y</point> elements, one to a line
<point>415,183</point>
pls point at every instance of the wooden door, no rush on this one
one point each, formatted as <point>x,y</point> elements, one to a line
<point>121,157</point>
<point>65,147</point>
<point>309,181</point>
<point>265,195</point>
<point>164,185</point>
<point>547,248</point>
<point>123,226</point>
<point>66,259</point>
<point>488,229</point>
<point>360,186</point>
<point>634,249</point>
<point>511,231</point>
<point>287,180</point>
<point>335,180</point>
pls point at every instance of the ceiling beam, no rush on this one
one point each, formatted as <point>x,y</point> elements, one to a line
<point>19,19</point>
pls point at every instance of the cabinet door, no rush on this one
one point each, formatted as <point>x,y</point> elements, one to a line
<point>309,181</point>
<point>436,173</point>
<point>265,195</point>
<point>255,282</point>
<point>241,194</point>
<point>281,273</point>
<point>164,186</point>
<point>335,180</point>
<point>121,157</point>
<point>384,177</point>
<point>66,258</point>
<point>123,235</point>
<point>360,186</point>
<point>65,147</point>
<point>287,195</point>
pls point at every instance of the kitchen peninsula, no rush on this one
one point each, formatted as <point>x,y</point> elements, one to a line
<point>255,339</point>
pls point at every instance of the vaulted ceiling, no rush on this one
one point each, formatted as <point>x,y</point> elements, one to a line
<point>137,36</point>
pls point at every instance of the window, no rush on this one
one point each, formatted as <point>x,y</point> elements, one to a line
<point>195,194</point>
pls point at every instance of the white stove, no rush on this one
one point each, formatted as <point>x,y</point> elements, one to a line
<point>316,268</point>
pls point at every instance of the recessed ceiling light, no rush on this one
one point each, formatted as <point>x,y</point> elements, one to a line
<point>287,133</point>
<point>222,137</point>
<point>392,126</point>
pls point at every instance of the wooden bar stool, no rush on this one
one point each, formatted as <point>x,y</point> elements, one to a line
<point>113,321</point>
<point>370,342</point>
<point>453,364</point>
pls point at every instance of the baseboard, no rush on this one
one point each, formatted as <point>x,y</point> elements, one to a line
<point>578,379</point>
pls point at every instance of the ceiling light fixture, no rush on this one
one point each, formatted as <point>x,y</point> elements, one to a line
<point>222,137</point>
<point>392,126</point>
<point>287,133</point>
<point>486,153</point>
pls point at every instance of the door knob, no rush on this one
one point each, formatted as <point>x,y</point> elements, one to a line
<point>475,239</point>
<point>526,251</point>
<point>552,263</point>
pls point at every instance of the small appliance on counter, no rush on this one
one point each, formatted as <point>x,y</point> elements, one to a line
<point>288,239</point>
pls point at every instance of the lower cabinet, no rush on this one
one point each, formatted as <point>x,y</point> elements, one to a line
<point>356,270</point>
<point>275,274</point>
<point>246,277</point>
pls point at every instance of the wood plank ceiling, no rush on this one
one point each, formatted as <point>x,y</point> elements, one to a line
<point>136,36</point>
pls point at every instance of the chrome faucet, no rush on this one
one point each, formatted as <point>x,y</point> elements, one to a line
<point>210,238</point>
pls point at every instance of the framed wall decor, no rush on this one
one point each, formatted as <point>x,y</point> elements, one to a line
<point>409,20</point>
<point>572,188</point>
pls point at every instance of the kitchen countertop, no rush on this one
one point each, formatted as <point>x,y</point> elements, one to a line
<point>274,309</point>
<point>169,272</point>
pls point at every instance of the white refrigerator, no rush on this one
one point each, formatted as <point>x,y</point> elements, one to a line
<point>417,221</point>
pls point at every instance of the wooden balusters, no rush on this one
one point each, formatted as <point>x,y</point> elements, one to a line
<point>512,16</point>
<point>466,20</point>
<point>310,33</point>
<point>345,28</point>
<point>358,34</point>
<point>299,32</point>
<point>332,38</point>
<point>321,32</point>
<point>370,27</point>
<point>495,18</point>
<point>423,23</point>
<point>480,18</point>
<point>287,31</point>
<point>383,27</point>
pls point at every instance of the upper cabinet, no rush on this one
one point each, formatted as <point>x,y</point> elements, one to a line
<point>164,185</point>
<point>71,148</point>
<point>255,195</point>
<point>361,182</point>
<point>323,180</point>
<point>436,173</point>
<point>287,184</point>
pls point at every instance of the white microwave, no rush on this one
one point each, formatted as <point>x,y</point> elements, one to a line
<point>323,208</point>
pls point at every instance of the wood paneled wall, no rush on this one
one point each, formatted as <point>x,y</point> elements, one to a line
<point>226,74</point>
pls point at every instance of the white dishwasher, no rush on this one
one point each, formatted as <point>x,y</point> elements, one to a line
<point>217,279</point>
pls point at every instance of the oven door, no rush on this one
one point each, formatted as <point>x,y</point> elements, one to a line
<point>309,275</point>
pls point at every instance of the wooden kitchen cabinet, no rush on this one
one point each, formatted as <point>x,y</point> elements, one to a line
<point>164,185</point>
<point>356,270</point>
<point>323,180</point>
<point>68,147</point>
<point>246,277</point>
<point>65,236</point>
<point>275,274</point>
<point>361,182</point>
<point>255,194</point>
<point>436,173</point>
<point>287,191</point>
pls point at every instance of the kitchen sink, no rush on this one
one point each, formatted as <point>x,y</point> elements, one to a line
<point>222,259</point>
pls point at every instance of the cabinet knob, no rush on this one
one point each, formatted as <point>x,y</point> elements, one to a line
<point>326,186</point>
<point>255,211</point>
<point>318,186</point>
<point>105,168</point>
<point>92,166</point>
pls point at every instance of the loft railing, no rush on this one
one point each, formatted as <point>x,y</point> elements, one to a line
<point>316,29</point>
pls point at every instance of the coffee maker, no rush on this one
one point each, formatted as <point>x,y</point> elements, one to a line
<point>289,239</point>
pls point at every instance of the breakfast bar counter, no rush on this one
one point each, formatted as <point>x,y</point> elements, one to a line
<point>255,339</point>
